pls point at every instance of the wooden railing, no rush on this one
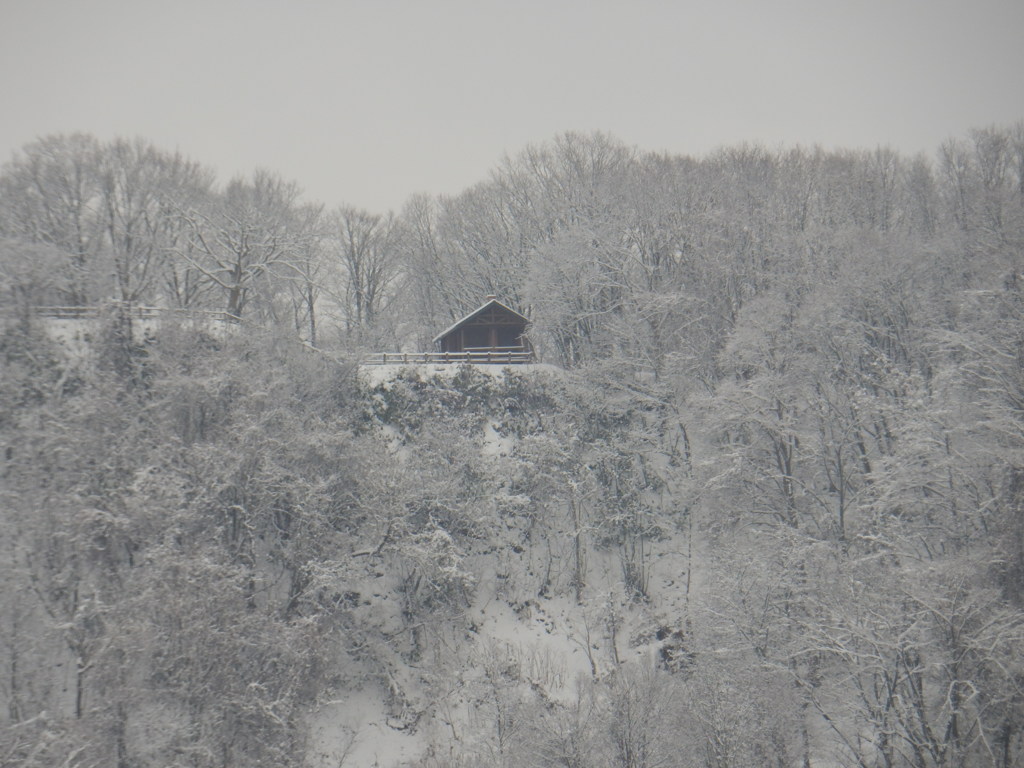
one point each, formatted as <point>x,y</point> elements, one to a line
<point>136,312</point>
<point>498,356</point>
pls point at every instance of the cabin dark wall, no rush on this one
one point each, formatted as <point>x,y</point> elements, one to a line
<point>474,337</point>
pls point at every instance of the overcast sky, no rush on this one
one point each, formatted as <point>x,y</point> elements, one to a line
<point>369,101</point>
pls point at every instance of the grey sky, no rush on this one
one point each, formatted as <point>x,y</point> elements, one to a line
<point>370,102</point>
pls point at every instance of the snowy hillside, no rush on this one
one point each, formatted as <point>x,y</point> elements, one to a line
<point>545,611</point>
<point>761,506</point>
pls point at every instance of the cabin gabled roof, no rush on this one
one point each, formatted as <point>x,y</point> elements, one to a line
<point>487,305</point>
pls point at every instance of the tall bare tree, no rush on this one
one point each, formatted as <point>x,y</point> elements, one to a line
<point>142,189</point>
<point>51,193</point>
<point>244,239</point>
<point>366,246</point>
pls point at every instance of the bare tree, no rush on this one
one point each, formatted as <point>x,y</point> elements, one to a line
<point>142,191</point>
<point>51,193</point>
<point>246,238</point>
<point>365,246</point>
<point>305,272</point>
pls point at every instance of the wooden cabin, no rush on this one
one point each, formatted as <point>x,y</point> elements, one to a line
<point>492,334</point>
<point>490,329</point>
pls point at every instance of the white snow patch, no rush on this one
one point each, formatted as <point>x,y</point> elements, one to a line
<point>356,731</point>
<point>496,444</point>
<point>541,640</point>
<point>382,375</point>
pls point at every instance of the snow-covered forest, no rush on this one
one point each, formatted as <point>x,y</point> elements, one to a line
<point>760,504</point>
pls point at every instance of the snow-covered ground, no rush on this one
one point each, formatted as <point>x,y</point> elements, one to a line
<point>541,640</point>
<point>381,375</point>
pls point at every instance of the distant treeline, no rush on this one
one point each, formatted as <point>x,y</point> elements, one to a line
<point>604,246</point>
